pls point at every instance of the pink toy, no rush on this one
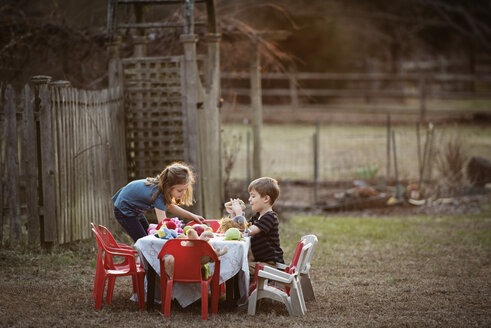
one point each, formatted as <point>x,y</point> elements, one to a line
<point>152,228</point>
<point>173,223</point>
<point>178,224</point>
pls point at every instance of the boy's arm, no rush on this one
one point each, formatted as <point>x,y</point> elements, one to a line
<point>253,230</point>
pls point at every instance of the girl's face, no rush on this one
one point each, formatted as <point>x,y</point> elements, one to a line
<point>257,201</point>
<point>177,191</point>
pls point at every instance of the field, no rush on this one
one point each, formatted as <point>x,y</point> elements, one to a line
<point>287,150</point>
<point>369,270</point>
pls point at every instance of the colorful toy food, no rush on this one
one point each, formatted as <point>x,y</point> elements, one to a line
<point>198,228</point>
<point>232,234</point>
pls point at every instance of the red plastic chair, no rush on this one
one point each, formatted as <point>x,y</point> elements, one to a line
<point>107,270</point>
<point>288,269</point>
<point>110,241</point>
<point>214,224</point>
<point>115,246</point>
<point>187,269</point>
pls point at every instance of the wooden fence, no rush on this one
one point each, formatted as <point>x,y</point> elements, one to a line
<point>62,157</point>
<point>302,89</point>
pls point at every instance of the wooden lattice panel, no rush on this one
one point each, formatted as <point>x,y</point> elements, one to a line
<point>154,113</point>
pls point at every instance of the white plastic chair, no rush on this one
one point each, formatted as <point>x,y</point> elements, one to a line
<point>307,290</point>
<point>293,299</point>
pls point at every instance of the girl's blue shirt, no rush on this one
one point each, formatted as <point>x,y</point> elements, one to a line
<point>135,198</point>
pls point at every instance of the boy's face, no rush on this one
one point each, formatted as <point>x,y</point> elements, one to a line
<point>257,201</point>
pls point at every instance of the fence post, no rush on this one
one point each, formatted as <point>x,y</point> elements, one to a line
<point>209,133</point>
<point>418,145</point>
<point>398,186</point>
<point>257,107</point>
<point>38,81</point>
<point>388,148</point>
<point>115,69</point>
<point>316,161</point>
<point>3,136</point>
<point>189,91</point>
<point>248,157</point>
<point>422,98</point>
<point>12,160</point>
<point>48,218</point>
<point>293,90</point>
<point>140,39</point>
<point>30,164</point>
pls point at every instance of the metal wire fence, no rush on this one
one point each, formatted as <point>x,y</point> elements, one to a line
<point>343,152</point>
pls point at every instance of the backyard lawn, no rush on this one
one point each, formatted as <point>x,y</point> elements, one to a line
<point>385,271</point>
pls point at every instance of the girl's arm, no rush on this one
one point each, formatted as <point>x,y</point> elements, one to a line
<point>160,215</point>
<point>185,214</point>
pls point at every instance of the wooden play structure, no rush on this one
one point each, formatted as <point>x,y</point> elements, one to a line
<point>171,102</point>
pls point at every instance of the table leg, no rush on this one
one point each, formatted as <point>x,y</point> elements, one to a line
<point>151,274</point>
<point>236,288</point>
<point>232,291</point>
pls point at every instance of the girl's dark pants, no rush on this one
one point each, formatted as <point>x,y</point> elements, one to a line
<point>135,226</point>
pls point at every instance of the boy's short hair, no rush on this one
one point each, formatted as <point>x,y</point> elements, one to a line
<point>266,186</point>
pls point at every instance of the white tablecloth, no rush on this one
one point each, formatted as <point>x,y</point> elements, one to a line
<point>233,262</point>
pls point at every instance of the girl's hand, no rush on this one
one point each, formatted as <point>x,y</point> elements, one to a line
<point>198,219</point>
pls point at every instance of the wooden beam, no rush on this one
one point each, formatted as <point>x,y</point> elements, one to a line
<point>30,163</point>
<point>257,107</point>
<point>12,159</point>
<point>47,168</point>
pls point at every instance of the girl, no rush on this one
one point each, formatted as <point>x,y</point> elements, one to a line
<point>172,187</point>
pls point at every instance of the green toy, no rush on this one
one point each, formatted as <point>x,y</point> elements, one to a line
<point>232,234</point>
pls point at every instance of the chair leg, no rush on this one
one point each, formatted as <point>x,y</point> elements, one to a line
<point>139,281</point>
<point>96,280</point>
<point>110,288</point>
<point>168,298</point>
<point>135,285</point>
<point>163,294</point>
<point>204,301</point>
<point>215,294</point>
<point>302,300</point>
<point>296,302</point>
<point>101,284</point>
<point>307,289</point>
<point>252,302</point>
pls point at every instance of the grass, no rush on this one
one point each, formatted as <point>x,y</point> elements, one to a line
<point>287,150</point>
<point>419,271</point>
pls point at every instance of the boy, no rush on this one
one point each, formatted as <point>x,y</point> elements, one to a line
<point>265,238</point>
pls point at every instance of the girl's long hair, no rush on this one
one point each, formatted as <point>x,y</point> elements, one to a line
<point>174,174</point>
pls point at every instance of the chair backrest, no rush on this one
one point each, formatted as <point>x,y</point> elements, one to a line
<point>187,258</point>
<point>99,244</point>
<point>296,256</point>
<point>312,239</point>
<point>108,237</point>
<point>214,224</point>
<point>109,251</point>
<point>302,259</point>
